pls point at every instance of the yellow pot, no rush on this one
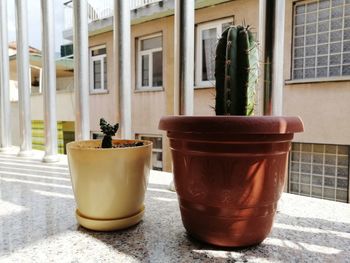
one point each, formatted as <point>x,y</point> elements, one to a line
<point>109,184</point>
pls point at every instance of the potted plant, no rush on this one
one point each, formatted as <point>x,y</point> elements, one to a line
<point>229,170</point>
<point>109,180</point>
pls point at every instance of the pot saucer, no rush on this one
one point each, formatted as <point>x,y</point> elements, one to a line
<point>109,224</point>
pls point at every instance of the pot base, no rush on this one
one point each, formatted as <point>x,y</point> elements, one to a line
<point>109,224</point>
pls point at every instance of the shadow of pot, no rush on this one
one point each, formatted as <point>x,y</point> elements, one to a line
<point>229,174</point>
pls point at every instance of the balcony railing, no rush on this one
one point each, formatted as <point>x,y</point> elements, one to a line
<point>100,9</point>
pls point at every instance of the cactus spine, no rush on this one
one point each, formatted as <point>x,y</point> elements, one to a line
<point>236,72</point>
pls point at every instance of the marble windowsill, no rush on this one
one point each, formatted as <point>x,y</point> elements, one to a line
<point>37,224</point>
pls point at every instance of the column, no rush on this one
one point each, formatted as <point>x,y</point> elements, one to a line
<point>271,37</point>
<point>184,56</point>
<point>23,77</point>
<point>5,106</point>
<point>122,58</point>
<point>81,69</point>
<point>49,81</point>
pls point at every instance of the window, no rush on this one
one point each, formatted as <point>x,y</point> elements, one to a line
<point>321,39</point>
<point>207,37</point>
<point>150,63</point>
<point>157,150</point>
<point>97,135</point>
<point>320,170</point>
<point>98,69</point>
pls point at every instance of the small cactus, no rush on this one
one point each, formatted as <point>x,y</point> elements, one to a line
<point>236,72</point>
<point>108,131</point>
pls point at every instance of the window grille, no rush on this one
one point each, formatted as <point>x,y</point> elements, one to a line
<point>321,39</point>
<point>319,170</point>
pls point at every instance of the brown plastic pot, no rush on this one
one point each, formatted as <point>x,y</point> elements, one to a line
<point>229,174</point>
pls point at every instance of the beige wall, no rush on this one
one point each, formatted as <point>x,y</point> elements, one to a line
<point>323,106</point>
<point>150,106</point>
<point>239,10</point>
<point>104,105</point>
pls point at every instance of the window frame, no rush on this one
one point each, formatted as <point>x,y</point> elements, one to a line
<point>328,78</point>
<point>199,83</point>
<point>100,58</point>
<point>154,150</point>
<point>149,52</point>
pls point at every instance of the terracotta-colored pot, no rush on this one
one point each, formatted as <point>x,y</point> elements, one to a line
<point>109,184</point>
<point>229,174</point>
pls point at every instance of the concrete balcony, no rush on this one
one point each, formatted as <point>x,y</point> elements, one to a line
<point>38,225</point>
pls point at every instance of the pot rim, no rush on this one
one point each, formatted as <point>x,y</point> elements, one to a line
<point>232,124</point>
<point>82,145</point>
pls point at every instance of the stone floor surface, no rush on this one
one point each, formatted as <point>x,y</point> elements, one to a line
<point>37,224</point>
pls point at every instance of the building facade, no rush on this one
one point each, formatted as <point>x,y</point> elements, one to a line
<point>316,74</point>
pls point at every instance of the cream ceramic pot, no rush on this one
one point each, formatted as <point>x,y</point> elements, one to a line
<point>109,184</point>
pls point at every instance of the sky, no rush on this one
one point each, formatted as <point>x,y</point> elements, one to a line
<point>34,23</point>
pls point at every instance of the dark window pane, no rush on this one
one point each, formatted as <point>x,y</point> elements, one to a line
<point>97,74</point>
<point>323,4</point>
<point>322,49</point>
<point>298,74</point>
<point>347,21</point>
<point>337,12</point>
<point>300,19</point>
<point>310,51</point>
<point>305,179</point>
<point>342,183</point>
<point>317,169</point>
<point>97,52</point>
<point>299,30</point>
<point>323,38</point>
<point>311,40</point>
<point>298,63</point>
<point>145,71</point>
<point>209,40</point>
<point>309,73</point>
<point>337,2</point>
<point>323,27</point>
<point>346,46</point>
<point>105,72</point>
<point>346,71</point>
<point>299,41</point>
<point>317,191</point>
<point>322,61</point>
<point>347,34</point>
<point>321,72</point>
<point>323,15</point>
<point>330,182</point>
<point>335,59</point>
<point>336,36</point>
<point>336,24</point>
<point>346,58</point>
<point>305,189</point>
<point>312,7</point>
<point>311,29</point>
<point>299,52</point>
<point>157,69</point>
<point>151,43</point>
<point>300,9</point>
<point>335,47</point>
<point>294,177</point>
<point>311,17</point>
<point>310,62</point>
<point>329,193</point>
<point>334,71</point>
<point>330,159</point>
<point>343,160</point>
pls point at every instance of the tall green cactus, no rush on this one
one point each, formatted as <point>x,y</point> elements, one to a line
<point>236,72</point>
